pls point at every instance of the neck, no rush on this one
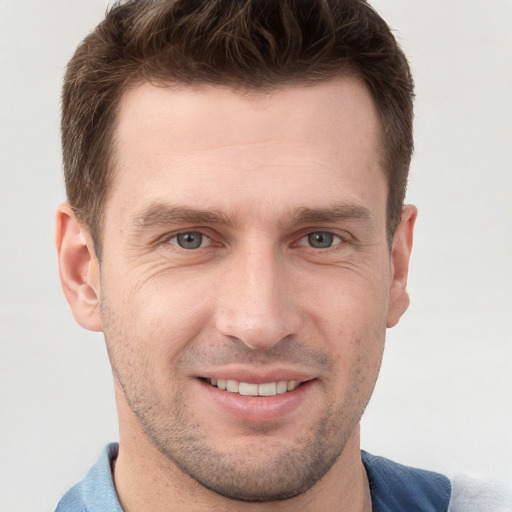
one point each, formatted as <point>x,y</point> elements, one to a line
<point>146,481</point>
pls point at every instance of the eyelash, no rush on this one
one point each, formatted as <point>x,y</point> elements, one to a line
<point>336,240</point>
<point>173,240</point>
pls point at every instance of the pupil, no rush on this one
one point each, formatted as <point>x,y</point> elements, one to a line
<point>320,240</point>
<point>190,240</point>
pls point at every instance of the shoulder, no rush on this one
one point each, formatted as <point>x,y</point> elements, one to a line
<point>470,494</point>
<point>398,488</point>
<point>96,492</point>
<point>72,501</point>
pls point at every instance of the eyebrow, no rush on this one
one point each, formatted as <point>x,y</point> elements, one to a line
<point>162,214</point>
<point>337,213</point>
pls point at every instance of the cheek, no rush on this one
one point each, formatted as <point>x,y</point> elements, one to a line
<point>350,318</point>
<point>349,305</point>
<point>159,316</point>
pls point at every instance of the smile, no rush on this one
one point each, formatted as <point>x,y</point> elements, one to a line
<point>248,389</point>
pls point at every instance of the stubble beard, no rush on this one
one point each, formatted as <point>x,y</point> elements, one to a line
<point>264,470</point>
<point>267,468</point>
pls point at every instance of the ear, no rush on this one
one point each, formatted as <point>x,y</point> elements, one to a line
<point>78,268</point>
<point>400,255</point>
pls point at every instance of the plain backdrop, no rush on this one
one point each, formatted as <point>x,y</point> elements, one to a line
<point>443,401</point>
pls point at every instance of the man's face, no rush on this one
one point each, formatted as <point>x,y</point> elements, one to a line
<point>244,245</point>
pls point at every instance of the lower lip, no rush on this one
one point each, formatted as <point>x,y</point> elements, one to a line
<point>257,409</point>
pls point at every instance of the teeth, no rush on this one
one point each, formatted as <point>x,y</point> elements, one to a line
<point>282,387</point>
<point>292,384</point>
<point>247,389</point>
<point>232,386</point>
<point>268,389</point>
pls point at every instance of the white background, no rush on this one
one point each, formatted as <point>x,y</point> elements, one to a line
<point>444,398</point>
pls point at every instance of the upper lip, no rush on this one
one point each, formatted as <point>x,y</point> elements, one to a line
<point>257,376</point>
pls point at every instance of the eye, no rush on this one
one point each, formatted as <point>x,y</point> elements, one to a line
<point>320,240</point>
<point>190,240</point>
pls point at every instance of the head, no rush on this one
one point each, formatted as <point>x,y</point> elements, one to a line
<point>236,173</point>
<point>247,45</point>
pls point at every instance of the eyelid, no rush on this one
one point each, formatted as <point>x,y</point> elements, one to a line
<point>206,241</point>
<point>302,241</point>
<point>170,238</point>
<point>341,237</point>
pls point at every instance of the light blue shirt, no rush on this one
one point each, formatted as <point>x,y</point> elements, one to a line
<point>96,492</point>
<point>393,487</point>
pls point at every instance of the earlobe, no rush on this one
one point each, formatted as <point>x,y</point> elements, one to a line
<point>78,268</point>
<point>400,256</point>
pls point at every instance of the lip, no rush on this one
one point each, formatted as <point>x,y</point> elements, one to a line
<point>251,409</point>
<point>255,376</point>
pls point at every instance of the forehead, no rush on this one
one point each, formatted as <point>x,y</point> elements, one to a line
<point>293,145</point>
<point>204,116</point>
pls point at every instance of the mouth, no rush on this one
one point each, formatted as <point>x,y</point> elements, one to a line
<point>250,389</point>
<point>257,397</point>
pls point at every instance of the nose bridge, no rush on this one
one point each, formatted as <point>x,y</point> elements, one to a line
<point>256,304</point>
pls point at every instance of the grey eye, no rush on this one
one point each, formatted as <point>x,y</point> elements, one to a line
<point>190,240</point>
<point>320,240</point>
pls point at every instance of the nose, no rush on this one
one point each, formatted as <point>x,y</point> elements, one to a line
<point>256,301</point>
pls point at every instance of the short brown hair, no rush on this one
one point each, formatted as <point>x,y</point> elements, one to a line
<point>251,44</point>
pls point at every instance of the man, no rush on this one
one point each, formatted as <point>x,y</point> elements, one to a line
<point>236,173</point>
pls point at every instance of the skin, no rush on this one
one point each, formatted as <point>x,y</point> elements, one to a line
<point>256,178</point>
